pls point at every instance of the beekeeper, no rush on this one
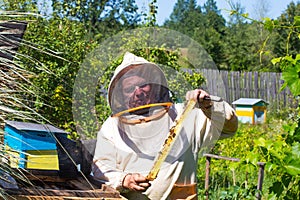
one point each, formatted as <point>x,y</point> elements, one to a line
<point>142,114</point>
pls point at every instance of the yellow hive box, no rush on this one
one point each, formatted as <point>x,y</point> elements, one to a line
<point>13,158</point>
<point>42,159</point>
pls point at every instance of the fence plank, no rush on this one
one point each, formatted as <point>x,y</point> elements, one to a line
<point>224,75</point>
<point>256,88</point>
<point>262,83</point>
<point>236,88</point>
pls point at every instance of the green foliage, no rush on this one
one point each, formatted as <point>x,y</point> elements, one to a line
<point>242,43</point>
<point>54,84</point>
<point>21,6</point>
<point>280,150</point>
<point>185,17</point>
<point>205,25</point>
<point>291,77</point>
<point>275,143</point>
<point>194,79</point>
<point>283,161</point>
<point>291,72</point>
<point>213,17</point>
<point>151,19</point>
<point>286,29</point>
<point>15,87</point>
<point>100,18</point>
<point>270,24</point>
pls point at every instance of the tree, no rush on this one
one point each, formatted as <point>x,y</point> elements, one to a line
<point>240,48</point>
<point>237,12</point>
<point>20,6</point>
<point>104,17</point>
<point>286,40</point>
<point>205,25</point>
<point>261,9</point>
<point>178,12</point>
<point>54,83</point>
<point>213,16</point>
<point>186,15</point>
<point>15,82</point>
<point>212,32</point>
<point>67,33</point>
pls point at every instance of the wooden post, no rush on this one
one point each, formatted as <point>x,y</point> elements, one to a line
<point>260,179</point>
<point>207,171</point>
<point>260,173</point>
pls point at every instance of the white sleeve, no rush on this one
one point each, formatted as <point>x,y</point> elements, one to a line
<point>218,122</point>
<point>230,123</point>
<point>104,166</point>
<point>223,117</point>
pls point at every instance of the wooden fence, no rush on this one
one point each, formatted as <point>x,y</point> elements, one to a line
<point>234,85</point>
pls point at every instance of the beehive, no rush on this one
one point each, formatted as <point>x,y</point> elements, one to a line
<point>251,110</point>
<point>33,145</point>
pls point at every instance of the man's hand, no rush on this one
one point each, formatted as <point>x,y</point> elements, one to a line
<point>200,96</point>
<point>136,182</point>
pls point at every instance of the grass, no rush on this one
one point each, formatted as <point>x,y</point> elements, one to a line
<point>16,92</point>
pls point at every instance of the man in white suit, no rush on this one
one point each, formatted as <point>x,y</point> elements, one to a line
<point>143,113</point>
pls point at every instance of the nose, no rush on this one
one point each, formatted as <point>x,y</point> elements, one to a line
<point>139,92</point>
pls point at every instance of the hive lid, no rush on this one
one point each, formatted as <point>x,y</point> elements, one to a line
<point>248,101</point>
<point>26,126</point>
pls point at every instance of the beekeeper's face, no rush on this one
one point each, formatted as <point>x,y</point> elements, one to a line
<point>136,91</point>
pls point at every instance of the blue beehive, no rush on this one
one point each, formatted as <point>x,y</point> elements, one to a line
<point>38,139</point>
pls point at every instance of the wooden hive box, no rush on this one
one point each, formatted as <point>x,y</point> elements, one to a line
<point>11,32</point>
<point>32,145</point>
<point>54,187</point>
<point>251,110</point>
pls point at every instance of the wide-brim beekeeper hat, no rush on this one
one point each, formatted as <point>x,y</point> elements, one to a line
<point>133,65</point>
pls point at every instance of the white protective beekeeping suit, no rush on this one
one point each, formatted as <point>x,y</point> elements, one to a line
<point>130,141</point>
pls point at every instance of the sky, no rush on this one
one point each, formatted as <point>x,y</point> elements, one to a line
<point>275,7</point>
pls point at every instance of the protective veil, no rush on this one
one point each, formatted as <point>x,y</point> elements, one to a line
<point>133,66</point>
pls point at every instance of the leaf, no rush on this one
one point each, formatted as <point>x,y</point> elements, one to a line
<point>268,24</point>
<point>279,144</point>
<point>246,15</point>
<point>291,76</point>
<point>270,166</point>
<point>290,59</point>
<point>296,150</point>
<point>298,55</point>
<point>252,157</point>
<point>293,168</point>
<point>284,85</point>
<point>297,20</point>
<point>276,60</point>
<point>233,12</point>
<point>272,197</point>
<point>233,165</point>
<point>288,127</point>
<point>260,142</point>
